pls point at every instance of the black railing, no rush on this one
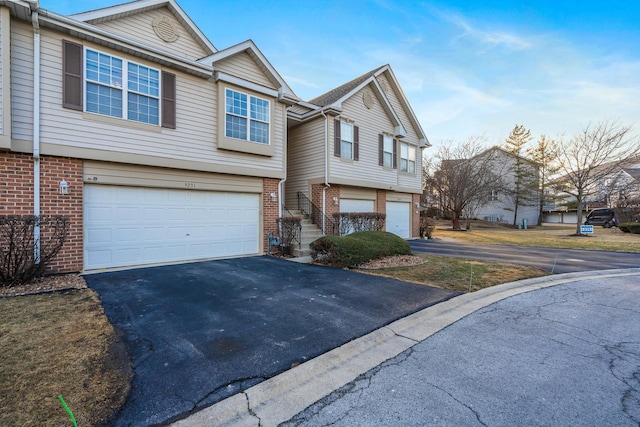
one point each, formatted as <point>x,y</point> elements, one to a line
<point>290,231</point>
<point>315,214</point>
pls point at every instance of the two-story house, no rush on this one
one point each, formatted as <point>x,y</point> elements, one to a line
<point>357,148</point>
<point>158,146</point>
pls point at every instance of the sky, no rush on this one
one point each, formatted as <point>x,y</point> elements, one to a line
<point>468,68</point>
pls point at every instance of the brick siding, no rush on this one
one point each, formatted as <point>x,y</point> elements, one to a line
<point>269,210</point>
<point>16,198</point>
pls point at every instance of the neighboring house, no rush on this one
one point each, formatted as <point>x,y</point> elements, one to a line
<point>618,189</point>
<point>499,204</point>
<point>357,148</point>
<point>171,149</point>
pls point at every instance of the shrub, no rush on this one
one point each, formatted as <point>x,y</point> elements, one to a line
<point>427,225</point>
<point>630,227</point>
<point>352,222</point>
<point>18,263</point>
<point>357,248</point>
<point>290,229</point>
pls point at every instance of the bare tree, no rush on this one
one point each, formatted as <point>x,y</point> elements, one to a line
<point>462,176</point>
<point>592,155</point>
<point>545,155</point>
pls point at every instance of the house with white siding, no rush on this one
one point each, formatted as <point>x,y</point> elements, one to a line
<point>357,148</point>
<point>155,144</point>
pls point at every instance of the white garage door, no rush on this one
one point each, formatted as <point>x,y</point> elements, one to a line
<point>354,205</point>
<point>398,218</point>
<point>127,226</point>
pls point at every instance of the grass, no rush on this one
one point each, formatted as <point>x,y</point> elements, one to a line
<point>458,274</point>
<point>551,236</point>
<point>59,343</point>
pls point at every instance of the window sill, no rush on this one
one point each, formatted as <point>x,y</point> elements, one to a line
<point>115,121</point>
<point>243,146</point>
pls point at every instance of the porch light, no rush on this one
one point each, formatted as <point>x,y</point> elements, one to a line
<point>64,187</point>
<point>335,201</point>
<point>274,197</point>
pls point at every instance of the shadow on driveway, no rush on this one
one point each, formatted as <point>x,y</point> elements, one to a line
<point>200,332</point>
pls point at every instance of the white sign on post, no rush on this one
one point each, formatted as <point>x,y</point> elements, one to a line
<point>586,229</point>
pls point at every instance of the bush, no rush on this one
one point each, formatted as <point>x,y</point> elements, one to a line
<point>18,263</point>
<point>427,225</point>
<point>357,248</point>
<point>352,222</point>
<point>290,229</point>
<point>630,227</point>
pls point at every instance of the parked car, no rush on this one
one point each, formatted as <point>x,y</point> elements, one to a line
<point>604,217</point>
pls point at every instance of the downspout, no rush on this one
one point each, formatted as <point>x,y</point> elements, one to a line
<point>35,6</point>
<point>326,171</point>
<point>284,155</point>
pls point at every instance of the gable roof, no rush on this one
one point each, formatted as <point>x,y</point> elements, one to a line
<point>249,47</point>
<point>335,97</point>
<point>140,6</point>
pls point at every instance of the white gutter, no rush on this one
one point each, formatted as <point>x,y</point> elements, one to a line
<point>35,6</point>
<point>326,171</point>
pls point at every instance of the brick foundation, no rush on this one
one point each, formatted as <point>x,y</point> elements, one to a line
<point>269,210</point>
<point>16,198</point>
<point>415,216</point>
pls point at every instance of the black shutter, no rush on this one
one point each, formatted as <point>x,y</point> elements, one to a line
<point>168,100</point>
<point>381,150</point>
<point>356,143</point>
<point>336,133</point>
<point>71,75</point>
<point>395,154</point>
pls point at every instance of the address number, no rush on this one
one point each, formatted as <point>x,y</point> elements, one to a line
<point>189,185</point>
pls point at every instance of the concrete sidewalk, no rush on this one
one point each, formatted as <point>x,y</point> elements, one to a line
<point>278,399</point>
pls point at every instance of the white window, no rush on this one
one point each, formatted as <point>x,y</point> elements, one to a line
<point>108,80</point>
<point>407,158</point>
<point>493,197</point>
<point>346,140</point>
<point>387,151</point>
<point>247,117</point>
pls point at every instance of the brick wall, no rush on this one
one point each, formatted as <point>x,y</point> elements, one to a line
<point>269,209</point>
<point>16,198</point>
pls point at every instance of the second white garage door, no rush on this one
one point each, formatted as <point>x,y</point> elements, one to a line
<point>127,226</point>
<point>398,218</point>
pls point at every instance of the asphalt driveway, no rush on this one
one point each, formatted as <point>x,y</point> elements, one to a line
<point>200,332</point>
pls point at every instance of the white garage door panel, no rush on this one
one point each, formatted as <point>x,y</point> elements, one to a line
<point>127,226</point>
<point>355,205</point>
<point>398,218</point>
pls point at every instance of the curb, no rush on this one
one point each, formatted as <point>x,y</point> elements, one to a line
<point>278,399</point>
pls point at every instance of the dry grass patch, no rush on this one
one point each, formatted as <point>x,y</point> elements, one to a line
<point>458,274</point>
<point>59,343</point>
<point>550,236</point>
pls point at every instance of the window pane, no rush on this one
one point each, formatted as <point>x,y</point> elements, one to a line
<point>143,109</point>
<point>259,132</point>
<point>411,167</point>
<point>388,144</point>
<point>259,109</point>
<point>388,159</point>
<point>403,165</point>
<point>236,127</point>
<point>236,103</point>
<point>412,154</point>
<point>104,100</point>
<point>346,132</point>
<point>345,150</point>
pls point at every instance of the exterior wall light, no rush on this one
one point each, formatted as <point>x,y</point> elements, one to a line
<point>274,197</point>
<point>335,201</point>
<point>64,187</point>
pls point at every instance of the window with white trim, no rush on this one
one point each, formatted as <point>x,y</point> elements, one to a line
<point>407,158</point>
<point>387,151</point>
<point>110,80</point>
<point>246,117</point>
<point>346,140</point>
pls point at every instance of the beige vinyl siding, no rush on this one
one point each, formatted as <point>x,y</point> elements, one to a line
<point>143,176</point>
<point>21,81</point>
<point>193,141</point>
<point>5,62</point>
<point>139,27</point>
<point>371,123</point>
<point>305,159</point>
<point>358,193</point>
<point>412,135</point>
<point>241,65</point>
<point>399,197</point>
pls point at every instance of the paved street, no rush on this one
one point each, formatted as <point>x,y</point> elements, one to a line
<point>548,259</point>
<point>564,355</point>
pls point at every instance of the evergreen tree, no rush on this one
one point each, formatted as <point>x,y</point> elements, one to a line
<point>524,188</point>
<point>545,155</point>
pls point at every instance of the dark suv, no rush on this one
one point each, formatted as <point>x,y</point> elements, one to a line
<point>603,217</point>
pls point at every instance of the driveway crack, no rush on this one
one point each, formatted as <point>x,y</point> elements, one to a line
<point>251,411</point>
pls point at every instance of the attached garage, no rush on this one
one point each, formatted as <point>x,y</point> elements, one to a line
<point>354,205</point>
<point>126,226</point>
<point>399,219</point>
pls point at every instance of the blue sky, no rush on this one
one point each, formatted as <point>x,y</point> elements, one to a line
<point>468,68</point>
